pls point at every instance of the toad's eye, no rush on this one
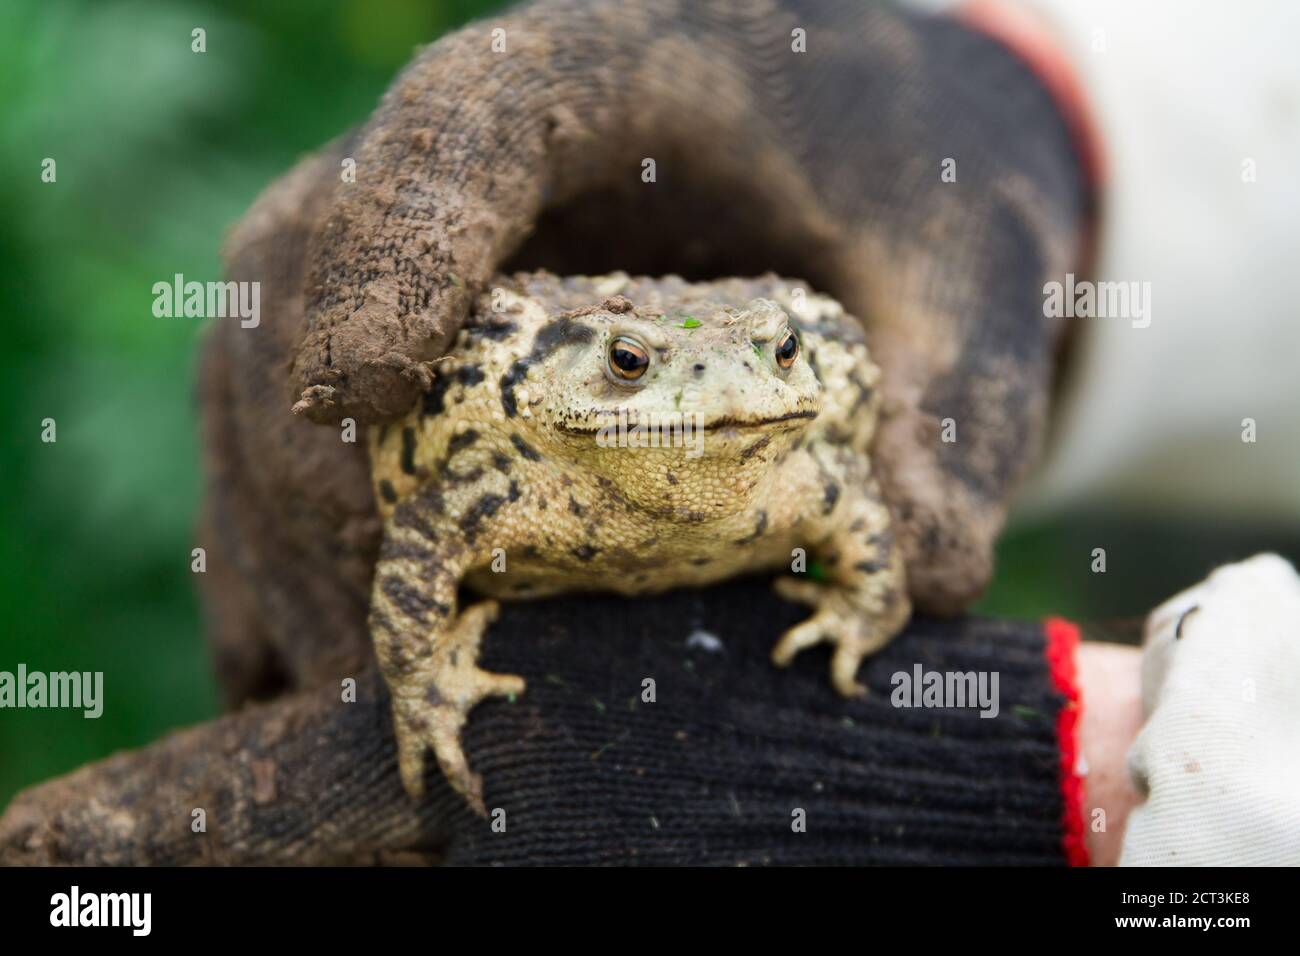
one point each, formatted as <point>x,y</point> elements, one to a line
<point>627,359</point>
<point>787,349</point>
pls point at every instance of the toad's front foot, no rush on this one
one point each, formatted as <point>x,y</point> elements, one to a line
<point>853,627</point>
<point>431,705</point>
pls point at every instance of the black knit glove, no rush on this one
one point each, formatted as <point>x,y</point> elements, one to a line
<point>581,769</point>
<point>719,767</point>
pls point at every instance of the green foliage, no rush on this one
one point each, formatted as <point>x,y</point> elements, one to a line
<point>159,150</point>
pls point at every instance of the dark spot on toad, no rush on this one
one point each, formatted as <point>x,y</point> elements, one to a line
<point>759,528</point>
<point>409,516</point>
<point>462,477</point>
<point>397,548</point>
<point>484,507</point>
<point>525,449</point>
<point>469,375</point>
<point>434,400</point>
<point>864,392</point>
<point>555,334</point>
<point>830,495</point>
<point>462,441</point>
<point>408,450</point>
<point>755,448</point>
<point>489,326</point>
<point>411,601</point>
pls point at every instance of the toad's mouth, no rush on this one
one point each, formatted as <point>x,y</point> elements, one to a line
<point>660,421</point>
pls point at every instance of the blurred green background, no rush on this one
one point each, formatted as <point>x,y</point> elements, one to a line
<point>159,150</point>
